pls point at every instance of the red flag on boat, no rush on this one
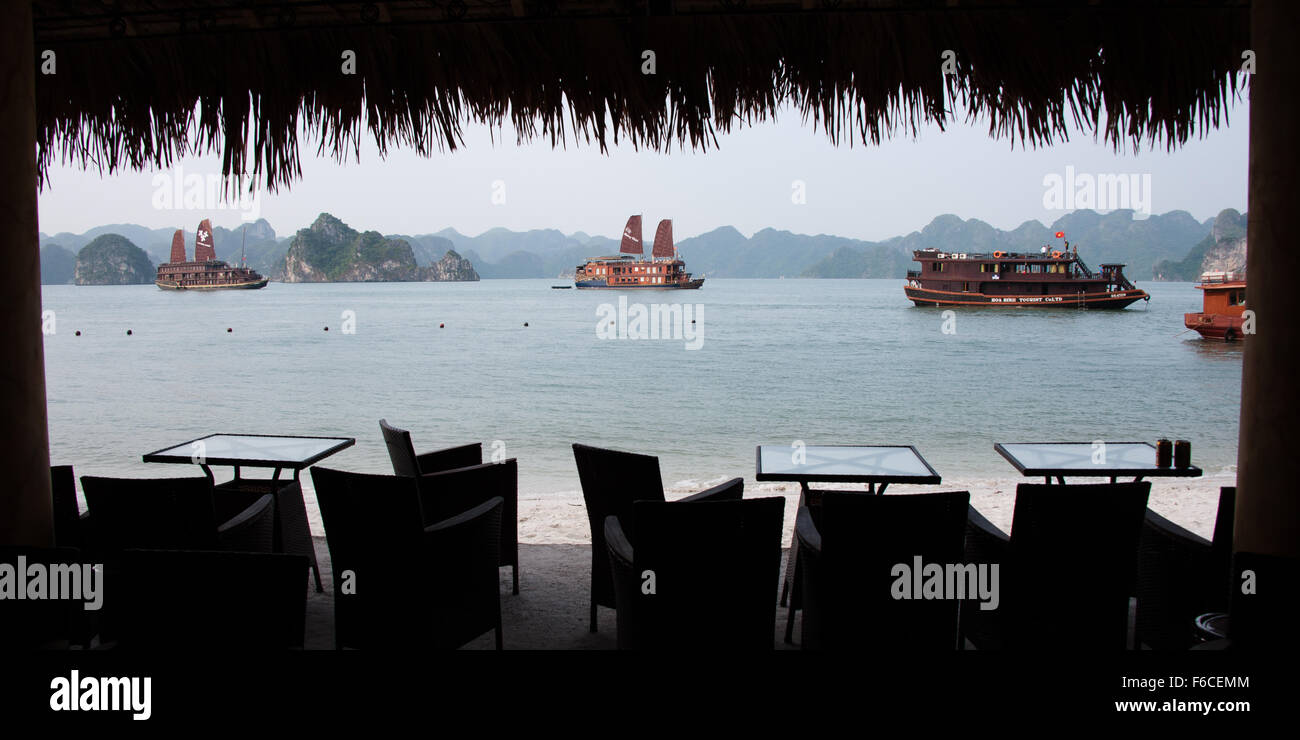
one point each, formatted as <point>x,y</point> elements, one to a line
<point>1060,235</point>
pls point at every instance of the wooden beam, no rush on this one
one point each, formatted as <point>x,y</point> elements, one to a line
<point>25,508</point>
<point>1268,498</point>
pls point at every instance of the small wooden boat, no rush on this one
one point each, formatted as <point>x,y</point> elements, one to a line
<point>1223,305</point>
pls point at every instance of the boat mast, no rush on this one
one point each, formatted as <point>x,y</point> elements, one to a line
<point>242,238</point>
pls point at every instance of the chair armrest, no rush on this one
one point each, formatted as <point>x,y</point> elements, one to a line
<point>1185,538</point>
<point>251,530</point>
<point>615,539</point>
<point>732,490</point>
<point>450,458</point>
<point>465,516</point>
<point>805,529</point>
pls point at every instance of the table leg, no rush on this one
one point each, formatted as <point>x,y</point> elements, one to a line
<point>1060,480</point>
<point>788,582</point>
<point>880,490</point>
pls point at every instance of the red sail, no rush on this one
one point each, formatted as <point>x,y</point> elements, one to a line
<point>203,248</point>
<point>632,237</point>
<point>178,247</point>
<point>663,239</point>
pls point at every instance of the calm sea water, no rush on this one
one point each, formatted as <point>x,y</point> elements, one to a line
<point>823,361</point>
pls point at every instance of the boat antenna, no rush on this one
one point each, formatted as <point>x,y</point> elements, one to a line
<point>242,238</point>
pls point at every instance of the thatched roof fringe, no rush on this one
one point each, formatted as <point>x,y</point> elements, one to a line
<point>1156,78</point>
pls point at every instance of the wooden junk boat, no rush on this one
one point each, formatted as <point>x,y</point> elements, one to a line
<point>205,272</point>
<point>1222,309</point>
<point>664,270</point>
<point>1013,280</point>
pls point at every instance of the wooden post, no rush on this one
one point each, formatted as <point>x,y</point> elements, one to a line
<point>25,508</point>
<point>1268,497</point>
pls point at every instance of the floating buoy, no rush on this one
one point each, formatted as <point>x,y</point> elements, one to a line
<point>525,323</point>
<point>128,332</point>
<point>327,328</point>
<point>442,326</point>
<point>229,330</point>
<point>78,332</point>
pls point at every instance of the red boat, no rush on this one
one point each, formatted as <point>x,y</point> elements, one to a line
<point>1013,280</point>
<point>205,271</point>
<point>627,270</point>
<point>1223,305</point>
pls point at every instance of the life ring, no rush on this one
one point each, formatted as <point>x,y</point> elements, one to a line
<point>1056,255</point>
<point>999,255</point>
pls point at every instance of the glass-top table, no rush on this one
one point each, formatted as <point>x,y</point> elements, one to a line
<point>252,450</point>
<point>1089,459</point>
<point>275,451</point>
<point>875,465</point>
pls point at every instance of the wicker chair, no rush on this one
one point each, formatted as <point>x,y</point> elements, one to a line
<point>1067,570</point>
<point>848,549</point>
<point>398,583</point>
<point>611,481</point>
<point>455,480</point>
<point>27,624</point>
<point>173,514</point>
<point>1182,576</point>
<point>716,566</point>
<point>406,462</point>
<point>165,599</point>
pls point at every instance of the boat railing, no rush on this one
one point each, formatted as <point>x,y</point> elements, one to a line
<point>1222,277</point>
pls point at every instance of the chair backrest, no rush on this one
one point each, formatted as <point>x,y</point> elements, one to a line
<point>208,600</point>
<point>715,567</point>
<point>1221,544</point>
<point>611,480</point>
<point>451,492</point>
<point>373,527</point>
<point>67,514</point>
<point>400,449</point>
<point>1072,563</point>
<point>29,623</point>
<point>152,513</point>
<point>862,592</point>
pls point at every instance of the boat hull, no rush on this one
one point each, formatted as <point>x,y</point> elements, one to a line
<point>603,285</point>
<point>249,285</point>
<point>1215,327</point>
<point>1116,299</point>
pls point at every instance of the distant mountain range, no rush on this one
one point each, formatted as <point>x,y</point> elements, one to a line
<point>724,252</point>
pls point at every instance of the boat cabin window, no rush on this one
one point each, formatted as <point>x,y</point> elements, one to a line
<point>1237,298</point>
<point>936,267</point>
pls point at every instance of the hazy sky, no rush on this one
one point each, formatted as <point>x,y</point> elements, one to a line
<point>864,192</point>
